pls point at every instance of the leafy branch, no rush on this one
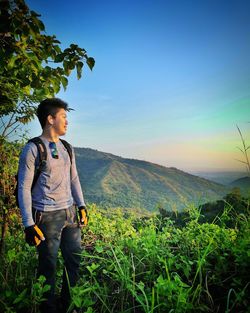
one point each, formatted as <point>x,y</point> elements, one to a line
<point>32,64</point>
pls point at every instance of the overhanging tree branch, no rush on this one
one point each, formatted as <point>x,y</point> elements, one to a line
<point>26,52</point>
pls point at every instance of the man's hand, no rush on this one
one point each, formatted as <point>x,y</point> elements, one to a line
<point>33,235</point>
<point>83,216</point>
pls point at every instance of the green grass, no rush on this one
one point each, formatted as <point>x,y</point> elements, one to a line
<point>133,264</point>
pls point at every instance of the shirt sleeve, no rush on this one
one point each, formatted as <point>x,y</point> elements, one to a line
<point>75,183</point>
<point>26,170</point>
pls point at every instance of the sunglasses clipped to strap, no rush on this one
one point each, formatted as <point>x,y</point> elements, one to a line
<point>53,150</point>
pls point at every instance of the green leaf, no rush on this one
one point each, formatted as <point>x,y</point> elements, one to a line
<point>73,46</point>
<point>81,52</point>
<point>71,65</point>
<point>79,67</point>
<point>66,65</point>
<point>46,288</point>
<point>60,57</point>
<point>77,301</point>
<point>41,25</point>
<point>12,61</point>
<point>67,72</point>
<point>91,63</point>
<point>33,13</point>
<point>64,82</point>
<point>56,87</point>
<point>21,296</point>
<point>99,249</point>
<point>57,48</point>
<point>25,82</point>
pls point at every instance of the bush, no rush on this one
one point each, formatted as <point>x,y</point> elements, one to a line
<point>132,264</point>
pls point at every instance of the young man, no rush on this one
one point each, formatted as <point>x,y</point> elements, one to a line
<point>48,206</point>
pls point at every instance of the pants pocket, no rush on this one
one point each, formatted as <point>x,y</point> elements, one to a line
<point>37,216</point>
<point>72,219</point>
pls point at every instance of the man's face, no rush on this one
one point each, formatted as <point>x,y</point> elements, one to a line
<point>59,122</point>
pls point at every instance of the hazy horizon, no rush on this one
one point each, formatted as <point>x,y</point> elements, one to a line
<point>190,170</point>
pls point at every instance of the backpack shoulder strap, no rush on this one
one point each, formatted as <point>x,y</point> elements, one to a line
<point>42,151</point>
<point>42,157</point>
<point>68,148</point>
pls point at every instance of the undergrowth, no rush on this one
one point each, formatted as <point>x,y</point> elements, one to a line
<point>135,265</point>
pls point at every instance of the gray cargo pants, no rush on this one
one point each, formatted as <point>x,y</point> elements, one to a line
<point>60,229</point>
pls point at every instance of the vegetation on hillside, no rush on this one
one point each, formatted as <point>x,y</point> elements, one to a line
<point>213,212</point>
<point>134,264</point>
<point>243,184</point>
<point>112,181</point>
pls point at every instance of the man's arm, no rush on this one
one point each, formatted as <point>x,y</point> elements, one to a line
<point>26,172</point>
<point>75,184</point>
<point>77,193</point>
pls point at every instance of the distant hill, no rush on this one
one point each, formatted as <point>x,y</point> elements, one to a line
<point>221,177</point>
<point>114,181</point>
<point>242,183</point>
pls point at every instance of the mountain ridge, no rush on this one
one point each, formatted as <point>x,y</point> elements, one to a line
<point>113,181</point>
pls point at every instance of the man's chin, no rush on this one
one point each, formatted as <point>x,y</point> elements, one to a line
<point>63,133</point>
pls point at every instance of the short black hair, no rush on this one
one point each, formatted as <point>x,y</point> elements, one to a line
<point>48,107</point>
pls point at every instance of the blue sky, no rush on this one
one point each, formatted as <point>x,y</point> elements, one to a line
<point>171,81</point>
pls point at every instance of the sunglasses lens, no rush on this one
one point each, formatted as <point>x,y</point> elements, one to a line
<point>53,150</point>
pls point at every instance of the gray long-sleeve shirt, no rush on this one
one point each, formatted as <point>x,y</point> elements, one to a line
<point>57,187</point>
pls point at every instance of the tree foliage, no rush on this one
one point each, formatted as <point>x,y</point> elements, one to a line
<point>32,64</point>
<point>9,153</point>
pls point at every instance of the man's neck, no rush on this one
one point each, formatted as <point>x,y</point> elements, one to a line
<point>50,135</point>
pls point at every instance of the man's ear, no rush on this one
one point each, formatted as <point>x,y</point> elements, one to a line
<point>50,120</point>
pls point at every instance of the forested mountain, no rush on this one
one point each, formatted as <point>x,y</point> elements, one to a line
<point>114,181</point>
<point>242,183</point>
